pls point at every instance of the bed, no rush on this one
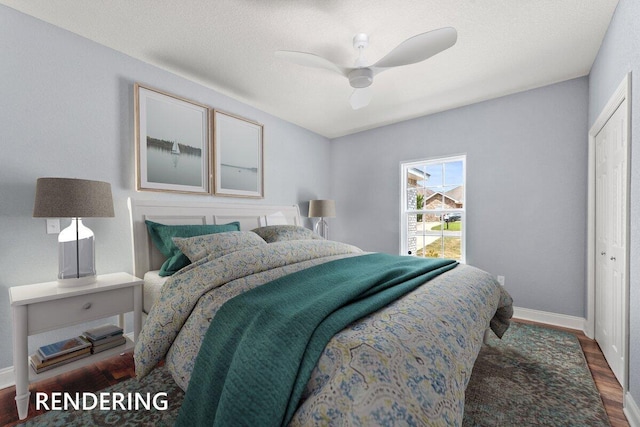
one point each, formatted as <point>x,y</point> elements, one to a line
<point>407,360</point>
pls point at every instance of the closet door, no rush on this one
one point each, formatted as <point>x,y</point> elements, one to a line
<point>611,203</point>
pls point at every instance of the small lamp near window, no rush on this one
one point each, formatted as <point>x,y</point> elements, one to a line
<point>322,209</point>
<point>75,199</point>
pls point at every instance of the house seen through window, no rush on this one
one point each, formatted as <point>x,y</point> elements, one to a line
<point>433,208</point>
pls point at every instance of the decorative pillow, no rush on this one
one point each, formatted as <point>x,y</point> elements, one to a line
<point>217,245</point>
<point>162,235</point>
<point>279,233</point>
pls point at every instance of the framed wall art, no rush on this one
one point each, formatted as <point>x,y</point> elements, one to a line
<point>238,156</point>
<point>172,143</point>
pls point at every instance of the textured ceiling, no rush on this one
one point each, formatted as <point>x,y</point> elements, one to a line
<point>504,46</point>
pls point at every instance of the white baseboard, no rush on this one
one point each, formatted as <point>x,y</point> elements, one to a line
<point>7,378</point>
<point>562,320</point>
<point>631,411</point>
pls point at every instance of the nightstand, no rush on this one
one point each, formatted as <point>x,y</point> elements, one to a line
<point>45,306</point>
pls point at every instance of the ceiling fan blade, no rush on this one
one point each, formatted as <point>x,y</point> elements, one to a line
<point>361,97</point>
<point>418,48</point>
<point>309,60</point>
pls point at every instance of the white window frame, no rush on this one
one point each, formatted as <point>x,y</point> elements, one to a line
<point>404,211</point>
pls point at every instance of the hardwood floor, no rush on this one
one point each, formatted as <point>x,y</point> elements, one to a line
<point>119,368</point>
<point>609,387</point>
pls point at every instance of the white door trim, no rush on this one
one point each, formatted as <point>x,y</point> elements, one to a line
<point>622,92</point>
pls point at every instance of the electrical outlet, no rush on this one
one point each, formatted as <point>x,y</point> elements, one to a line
<point>53,226</point>
<point>500,280</point>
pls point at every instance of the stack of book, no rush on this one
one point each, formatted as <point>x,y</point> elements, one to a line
<point>59,353</point>
<point>104,337</point>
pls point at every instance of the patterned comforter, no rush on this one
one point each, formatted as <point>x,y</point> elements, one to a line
<point>409,362</point>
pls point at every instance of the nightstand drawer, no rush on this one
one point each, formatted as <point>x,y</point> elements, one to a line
<point>48,315</point>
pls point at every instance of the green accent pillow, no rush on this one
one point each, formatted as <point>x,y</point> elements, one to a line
<point>162,235</point>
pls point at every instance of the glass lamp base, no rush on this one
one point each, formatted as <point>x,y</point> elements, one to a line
<point>322,228</point>
<point>76,255</point>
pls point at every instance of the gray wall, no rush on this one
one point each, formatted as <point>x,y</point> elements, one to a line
<point>618,55</point>
<point>526,188</point>
<point>67,110</point>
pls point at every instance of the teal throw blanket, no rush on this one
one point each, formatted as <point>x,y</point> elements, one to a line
<point>261,347</point>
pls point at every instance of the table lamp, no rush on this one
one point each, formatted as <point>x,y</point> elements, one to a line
<point>322,209</point>
<point>75,199</point>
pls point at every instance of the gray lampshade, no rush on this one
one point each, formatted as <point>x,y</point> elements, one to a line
<point>72,198</point>
<point>322,208</point>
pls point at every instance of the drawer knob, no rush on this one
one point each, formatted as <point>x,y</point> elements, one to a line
<point>87,306</point>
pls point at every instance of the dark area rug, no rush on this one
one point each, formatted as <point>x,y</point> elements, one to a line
<point>534,376</point>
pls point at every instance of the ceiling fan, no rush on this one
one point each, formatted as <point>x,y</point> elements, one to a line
<point>414,49</point>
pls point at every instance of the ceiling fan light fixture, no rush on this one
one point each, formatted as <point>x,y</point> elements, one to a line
<point>361,77</point>
<point>361,41</point>
<point>412,50</point>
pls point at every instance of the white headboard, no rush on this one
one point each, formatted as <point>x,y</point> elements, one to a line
<point>146,256</point>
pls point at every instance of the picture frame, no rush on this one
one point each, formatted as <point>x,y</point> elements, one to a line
<point>238,153</point>
<point>172,143</point>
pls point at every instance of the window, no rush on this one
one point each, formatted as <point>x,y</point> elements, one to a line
<point>433,208</point>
